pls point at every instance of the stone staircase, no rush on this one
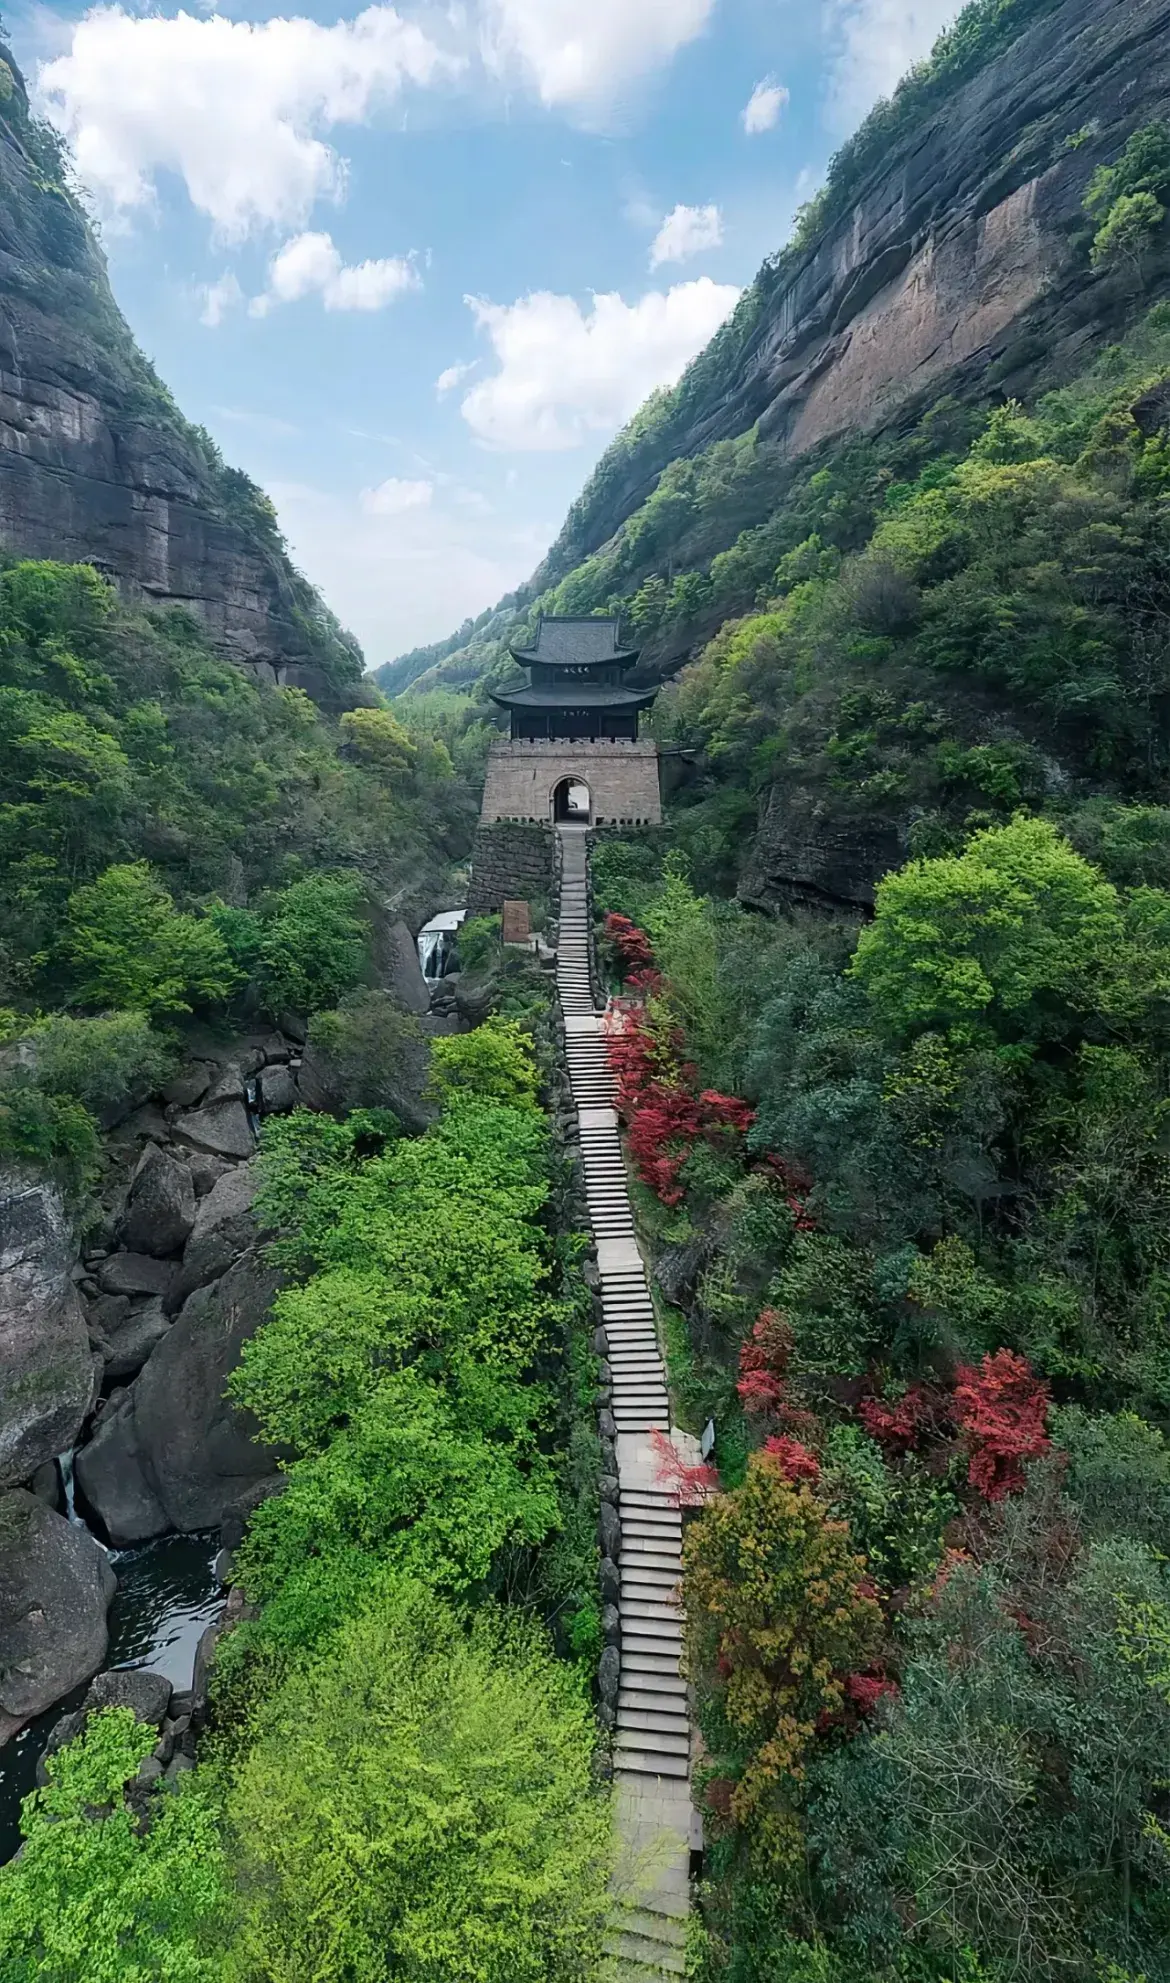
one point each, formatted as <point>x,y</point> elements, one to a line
<point>652,1743</point>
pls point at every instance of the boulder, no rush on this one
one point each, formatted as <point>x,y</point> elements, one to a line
<point>130,1345</point>
<point>609,1674</point>
<point>611,1625</point>
<point>278,1091</point>
<point>224,1229</point>
<point>55,1589</point>
<point>222,1128</point>
<point>189,1085</point>
<point>148,1695</point>
<point>207,1170</point>
<point>113,1478</point>
<point>160,1211</point>
<point>610,1530</point>
<point>135,1273</point>
<point>46,1366</point>
<point>106,1315</point>
<point>396,969</point>
<point>176,1454</point>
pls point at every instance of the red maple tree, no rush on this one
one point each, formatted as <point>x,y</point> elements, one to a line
<point>794,1460</point>
<point>1002,1409</point>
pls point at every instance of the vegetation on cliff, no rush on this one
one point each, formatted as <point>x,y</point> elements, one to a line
<point>175,838</point>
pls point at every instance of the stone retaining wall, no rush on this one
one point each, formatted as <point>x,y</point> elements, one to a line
<point>511,861</point>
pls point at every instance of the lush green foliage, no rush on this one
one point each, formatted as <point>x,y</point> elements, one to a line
<point>136,764</point>
<point>955,1188</point>
<point>92,1899</point>
<point>420,1805</point>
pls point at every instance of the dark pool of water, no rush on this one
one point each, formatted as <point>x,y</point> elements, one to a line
<point>166,1597</point>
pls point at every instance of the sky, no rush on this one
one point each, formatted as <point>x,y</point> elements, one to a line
<point>413,266</point>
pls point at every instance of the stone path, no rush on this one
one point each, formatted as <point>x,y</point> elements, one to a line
<point>652,1745</point>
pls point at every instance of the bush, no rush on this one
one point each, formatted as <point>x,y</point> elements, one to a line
<point>420,1804</point>
<point>315,943</point>
<point>100,1061</point>
<point>51,1133</point>
<point>95,1899</point>
<point>128,946</point>
<point>494,1062</point>
<point>776,1618</point>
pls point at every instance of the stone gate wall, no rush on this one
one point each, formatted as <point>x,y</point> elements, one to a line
<point>622,778</point>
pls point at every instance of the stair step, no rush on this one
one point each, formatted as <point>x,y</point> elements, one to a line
<point>670,1706</point>
<point>642,1763</point>
<point>639,1732</point>
<point>665,1687</point>
<point>641,1958</point>
<point>643,1918</point>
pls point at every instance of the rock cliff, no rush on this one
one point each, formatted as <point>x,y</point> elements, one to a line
<point>97,464</point>
<point>948,255</point>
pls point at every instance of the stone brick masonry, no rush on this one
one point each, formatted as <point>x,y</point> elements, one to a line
<point>511,861</point>
<point>622,779</point>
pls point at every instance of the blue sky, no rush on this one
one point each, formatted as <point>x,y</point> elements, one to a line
<point>413,267</point>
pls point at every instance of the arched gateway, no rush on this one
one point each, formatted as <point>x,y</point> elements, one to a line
<point>571,802</point>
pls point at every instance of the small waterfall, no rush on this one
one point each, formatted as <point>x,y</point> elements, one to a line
<point>436,944</point>
<point>65,1469</point>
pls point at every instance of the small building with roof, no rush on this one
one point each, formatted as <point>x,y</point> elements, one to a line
<point>574,752</point>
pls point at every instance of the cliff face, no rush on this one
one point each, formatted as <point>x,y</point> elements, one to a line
<point>957,264</point>
<point>97,464</point>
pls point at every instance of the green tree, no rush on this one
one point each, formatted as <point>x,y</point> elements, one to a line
<point>419,1804</point>
<point>315,944</point>
<point>128,946</point>
<point>1017,933</point>
<point>93,1898</point>
<point>776,1617</point>
<point>494,1062</point>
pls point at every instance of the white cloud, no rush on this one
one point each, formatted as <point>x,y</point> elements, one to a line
<point>393,497</point>
<point>310,265</point>
<point>763,107</point>
<point>686,231</point>
<point>876,41</point>
<point>566,373</point>
<point>218,298</point>
<point>402,578</point>
<point>233,108</point>
<point>454,376</point>
<point>578,52</point>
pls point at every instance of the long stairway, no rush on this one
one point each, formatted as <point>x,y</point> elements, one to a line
<point>652,1745</point>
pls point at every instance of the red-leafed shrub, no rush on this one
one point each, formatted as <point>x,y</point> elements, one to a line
<point>900,1424</point>
<point>865,1690</point>
<point>629,946</point>
<point>657,1100</point>
<point>794,1460</point>
<point>694,1485</point>
<point>1002,1408</point>
<point>763,1362</point>
<point>725,1112</point>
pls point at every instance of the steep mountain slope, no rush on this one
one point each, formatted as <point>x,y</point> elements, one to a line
<point>947,256</point>
<point>96,462</point>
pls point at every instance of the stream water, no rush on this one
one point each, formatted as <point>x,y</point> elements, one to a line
<point>166,1596</point>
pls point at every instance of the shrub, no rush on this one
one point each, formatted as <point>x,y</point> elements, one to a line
<point>1002,1408</point>
<point>420,1804</point>
<point>776,1618</point>
<point>128,946</point>
<point>315,944</point>
<point>100,1061</point>
<point>493,1062</point>
<point>50,1133</point>
<point>95,1899</point>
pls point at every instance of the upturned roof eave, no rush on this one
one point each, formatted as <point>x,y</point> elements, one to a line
<point>527,657</point>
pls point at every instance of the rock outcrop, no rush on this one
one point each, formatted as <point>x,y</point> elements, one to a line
<point>96,463</point>
<point>172,1452</point>
<point>55,1590</point>
<point>46,1364</point>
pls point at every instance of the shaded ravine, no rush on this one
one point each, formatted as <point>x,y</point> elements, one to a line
<point>654,1814</point>
<point>166,1597</point>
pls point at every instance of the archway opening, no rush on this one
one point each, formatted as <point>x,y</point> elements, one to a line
<point>571,802</point>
